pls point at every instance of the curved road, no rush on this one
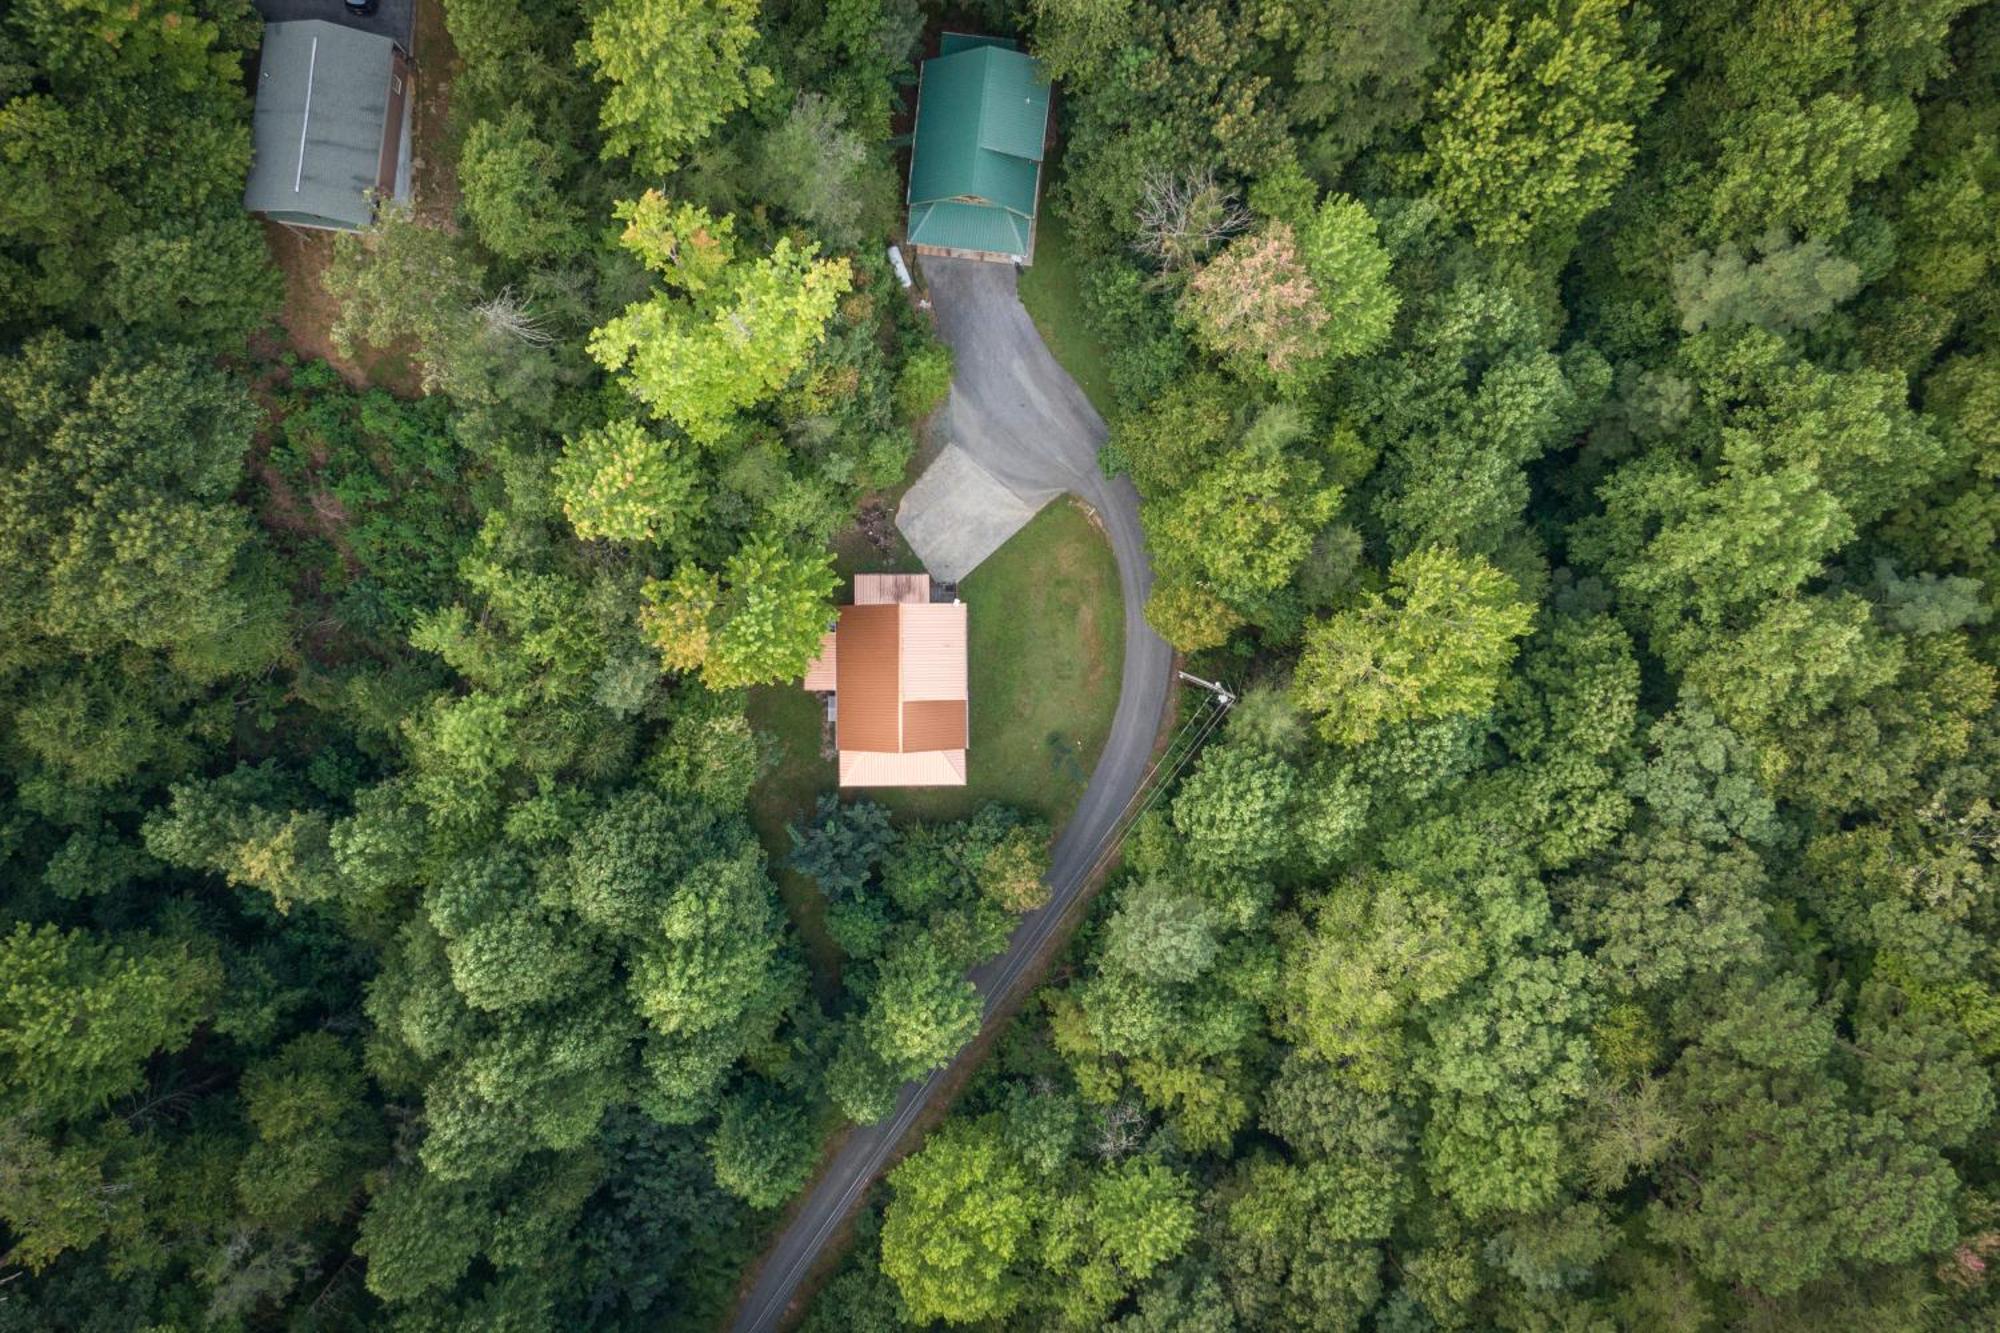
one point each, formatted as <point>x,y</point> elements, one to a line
<point>1019,413</point>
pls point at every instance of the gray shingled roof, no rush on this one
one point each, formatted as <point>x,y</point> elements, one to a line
<point>322,100</point>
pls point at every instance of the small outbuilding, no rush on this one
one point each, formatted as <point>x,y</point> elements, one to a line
<point>976,159</point>
<point>331,127</point>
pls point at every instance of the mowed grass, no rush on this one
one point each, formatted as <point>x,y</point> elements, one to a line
<point>1052,290</point>
<point>1046,652</point>
<point>1046,649</point>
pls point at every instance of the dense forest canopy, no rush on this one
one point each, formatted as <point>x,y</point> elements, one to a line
<point>1573,427</point>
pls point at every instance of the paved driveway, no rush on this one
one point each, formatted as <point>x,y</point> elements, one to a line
<point>1021,418</point>
<point>1017,424</point>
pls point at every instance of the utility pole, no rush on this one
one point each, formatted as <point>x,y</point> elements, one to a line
<point>1217,688</point>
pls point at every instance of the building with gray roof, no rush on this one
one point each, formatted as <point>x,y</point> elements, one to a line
<point>331,129</point>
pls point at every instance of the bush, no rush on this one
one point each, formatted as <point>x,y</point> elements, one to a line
<point>924,382</point>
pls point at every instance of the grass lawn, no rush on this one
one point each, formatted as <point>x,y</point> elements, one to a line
<point>791,719</point>
<point>1047,651</point>
<point>1052,290</point>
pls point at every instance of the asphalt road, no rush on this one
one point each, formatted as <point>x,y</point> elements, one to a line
<point>1024,419</point>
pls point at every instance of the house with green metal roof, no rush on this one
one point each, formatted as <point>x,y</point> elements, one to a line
<point>331,131</point>
<point>976,160</point>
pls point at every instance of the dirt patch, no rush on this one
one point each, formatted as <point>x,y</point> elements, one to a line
<point>1091,644</point>
<point>309,310</point>
<point>433,161</point>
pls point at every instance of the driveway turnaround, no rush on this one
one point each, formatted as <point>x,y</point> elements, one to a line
<point>1020,417</point>
<point>958,513</point>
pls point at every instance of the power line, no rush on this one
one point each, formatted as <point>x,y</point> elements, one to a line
<point>1220,701</point>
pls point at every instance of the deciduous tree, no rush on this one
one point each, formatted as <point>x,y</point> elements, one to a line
<point>1433,646</point>
<point>748,328</point>
<point>675,68</point>
<point>1531,128</point>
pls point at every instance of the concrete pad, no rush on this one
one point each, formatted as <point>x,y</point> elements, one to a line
<point>958,513</point>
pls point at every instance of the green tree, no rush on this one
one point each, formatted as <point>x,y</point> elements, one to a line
<point>1361,66</point>
<point>819,170</point>
<point>620,482</point>
<point>1797,164</point>
<point>1340,247</point>
<point>62,1197</point>
<point>1074,38</point>
<point>1378,948</point>
<point>124,138</point>
<point>316,1133</point>
<point>509,179</point>
<point>240,826</point>
<point>1297,1245</point>
<point>420,1233</point>
<point>1507,1060</point>
<point>1235,810</point>
<point>1788,285</point>
<point>1433,646</point>
<point>676,69</point>
<point>847,841</point>
<point>1918,1068</point>
<point>1700,777</point>
<point>958,1229</point>
<point>763,1147</point>
<point>920,1008</point>
<point>405,279</point>
<point>80,1015</point>
<point>1667,908</point>
<point>1531,128</point>
<point>1244,524</point>
<point>1136,1215</point>
<point>761,622</point>
<point>209,279</point>
<point>1781,1181</point>
<point>118,530</point>
<point>748,329</point>
<point>1554,1250</point>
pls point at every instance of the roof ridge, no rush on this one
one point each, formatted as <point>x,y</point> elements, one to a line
<point>985,102</point>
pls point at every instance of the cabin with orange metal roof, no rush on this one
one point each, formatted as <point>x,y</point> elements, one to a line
<point>895,665</point>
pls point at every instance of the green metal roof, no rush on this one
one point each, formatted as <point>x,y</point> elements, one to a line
<point>968,227</point>
<point>322,101</point>
<point>982,115</point>
<point>951,43</point>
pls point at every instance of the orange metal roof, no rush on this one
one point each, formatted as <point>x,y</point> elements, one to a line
<point>933,724</point>
<point>932,643</point>
<point>820,675</point>
<point>896,662</point>
<point>868,714</point>
<point>924,768</point>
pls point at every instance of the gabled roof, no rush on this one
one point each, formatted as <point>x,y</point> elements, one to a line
<point>969,227</point>
<point>982,115</point>
<point>900,678</point>
<point>896,663</point>
<point>322,106</point>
